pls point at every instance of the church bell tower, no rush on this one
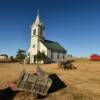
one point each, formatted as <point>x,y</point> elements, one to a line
<point>36,36</point>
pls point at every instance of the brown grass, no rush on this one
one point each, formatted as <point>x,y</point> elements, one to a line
<point>81,84</point>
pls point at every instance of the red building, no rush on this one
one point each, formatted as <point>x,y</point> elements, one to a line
<point>95,57</point>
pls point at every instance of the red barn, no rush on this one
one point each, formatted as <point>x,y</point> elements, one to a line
<point>95,57</point>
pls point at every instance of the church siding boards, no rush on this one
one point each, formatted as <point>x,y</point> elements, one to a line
<point>43,48</point>
<point>53,50</point>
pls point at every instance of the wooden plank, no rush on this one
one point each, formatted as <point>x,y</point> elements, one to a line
<point>21,76</point>
<point>26,76</point>
<point>41,73</point>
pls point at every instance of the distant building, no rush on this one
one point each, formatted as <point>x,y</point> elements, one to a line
<point>53,50</point>
<point>2,57</point>
<point>95,57</point>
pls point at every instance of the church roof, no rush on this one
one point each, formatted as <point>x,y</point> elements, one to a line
<point>54,46</point>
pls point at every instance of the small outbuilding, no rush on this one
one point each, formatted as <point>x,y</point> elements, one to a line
<point>95,57</point>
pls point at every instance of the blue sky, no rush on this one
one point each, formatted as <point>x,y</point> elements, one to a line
<point>75,24</point>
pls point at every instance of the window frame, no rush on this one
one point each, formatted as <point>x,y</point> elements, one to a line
<point>34,32</point>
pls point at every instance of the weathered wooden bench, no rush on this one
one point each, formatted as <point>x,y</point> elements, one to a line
<point>37,83</point>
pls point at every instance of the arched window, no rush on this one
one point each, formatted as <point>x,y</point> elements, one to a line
<point>58,56</point>
<point>39,30</point>
<point>34,32</point>
<point>34,46</point>
<point>51,55</point>
<point>63,57</point>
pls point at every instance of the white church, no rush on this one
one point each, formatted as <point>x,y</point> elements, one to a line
<point>52,50</point>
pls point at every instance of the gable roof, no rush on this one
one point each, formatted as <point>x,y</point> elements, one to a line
<point>54,46</point>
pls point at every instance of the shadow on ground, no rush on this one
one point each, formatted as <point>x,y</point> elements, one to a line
<point>57,83</point>
<point>7,94</point>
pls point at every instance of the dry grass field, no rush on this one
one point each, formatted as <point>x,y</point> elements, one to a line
<point>82,83</point>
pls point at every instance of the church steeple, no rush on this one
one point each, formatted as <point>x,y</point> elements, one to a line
<point>37,20</point>
<point>37,27</point>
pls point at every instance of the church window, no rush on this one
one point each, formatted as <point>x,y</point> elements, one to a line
<point>58,56</point>
<point>51,55</point>
<point>33,46</point>
<point>34,32</point>
<point>39,30</point>
<point>63,57</point>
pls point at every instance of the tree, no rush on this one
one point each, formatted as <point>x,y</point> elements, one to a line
<point>69,55</point>
<point>12,58</point>
<point>40,56</point>
<point>43,56</point>
<point>21,54</point>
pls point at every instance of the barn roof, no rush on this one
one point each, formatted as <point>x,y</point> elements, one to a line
<point>54,46</point>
